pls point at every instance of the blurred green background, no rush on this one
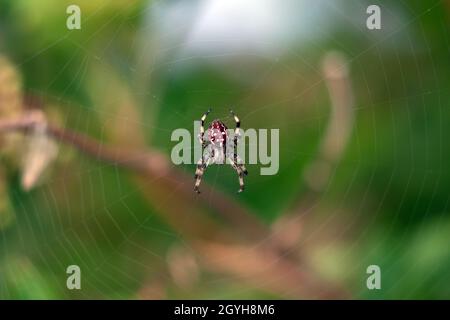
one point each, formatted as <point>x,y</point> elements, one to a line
<point>137,70</point>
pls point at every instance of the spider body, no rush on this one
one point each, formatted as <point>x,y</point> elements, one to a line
<point>220,149</point>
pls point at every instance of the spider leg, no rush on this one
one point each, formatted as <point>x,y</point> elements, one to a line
<point>241,171</point>
<point>240,165</point>
<point>236,119</point>
<point>236,135</point>
<point>202,128</point>
<point>202,164</point>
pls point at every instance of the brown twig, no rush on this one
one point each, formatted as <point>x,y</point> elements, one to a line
<point>180,212</point>
<point>151,164</point>
<point>290,228</point>
<point>336,75</point>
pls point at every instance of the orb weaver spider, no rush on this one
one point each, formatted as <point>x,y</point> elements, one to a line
<point>220,147</point>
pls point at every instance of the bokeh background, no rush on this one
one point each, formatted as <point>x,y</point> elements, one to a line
<point>363,179</point>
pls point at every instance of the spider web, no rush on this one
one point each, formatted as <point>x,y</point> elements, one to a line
<point>91,214</point>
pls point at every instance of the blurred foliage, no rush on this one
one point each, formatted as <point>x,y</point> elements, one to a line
<point>388,194</point>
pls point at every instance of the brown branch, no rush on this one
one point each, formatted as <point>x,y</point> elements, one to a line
<point>153,164</point>
<point>163,182</point>
<point>263,268</point>
<point>290,228</point>
<point>336,75</point>
<point>149,164</point>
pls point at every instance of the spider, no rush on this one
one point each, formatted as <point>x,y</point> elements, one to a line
<point>220,149</point>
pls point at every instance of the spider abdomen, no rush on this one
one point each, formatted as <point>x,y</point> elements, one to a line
<point>217,132</point>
